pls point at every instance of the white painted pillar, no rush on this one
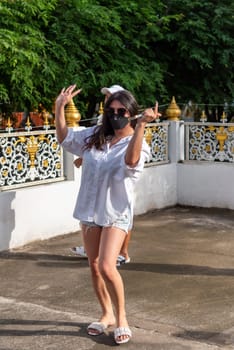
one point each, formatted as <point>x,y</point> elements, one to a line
<point>176,141</point>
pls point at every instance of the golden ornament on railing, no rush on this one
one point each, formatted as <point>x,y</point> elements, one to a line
<point>148,135</point>
<point>101,110</point>
<point>32,147</point>
<point>72,114</point>
<point>221,136</point>
<point>203,117</point>
<point>173,112</point>
<point>28,124</point>
<point>223,118</point>
<point>9,123</point>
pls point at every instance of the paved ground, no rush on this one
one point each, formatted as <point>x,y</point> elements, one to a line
<point>179,287</point>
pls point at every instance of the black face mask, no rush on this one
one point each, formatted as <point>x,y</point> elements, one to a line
<point>118,122</point>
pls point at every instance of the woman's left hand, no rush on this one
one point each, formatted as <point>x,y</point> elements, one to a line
<point>150,114</point>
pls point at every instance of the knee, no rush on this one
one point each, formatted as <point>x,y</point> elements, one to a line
<point>94,267</point>
<point>106,271</point>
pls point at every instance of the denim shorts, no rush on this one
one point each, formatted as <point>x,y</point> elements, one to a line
<point>122,222</point>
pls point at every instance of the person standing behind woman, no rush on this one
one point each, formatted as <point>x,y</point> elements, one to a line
<point>113,158</point>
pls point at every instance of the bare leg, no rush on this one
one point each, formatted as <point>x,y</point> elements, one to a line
<point>124,248</point>
<point>91,238</point>
<point>110,243</point>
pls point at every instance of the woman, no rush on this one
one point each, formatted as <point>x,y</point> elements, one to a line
<point>113,157</point>
<point>123,257</point>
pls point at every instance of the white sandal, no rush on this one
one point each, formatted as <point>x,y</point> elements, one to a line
<point>80,251</point>
<point>122,260</point>
<point>96,328</point>
<point>119,332</point>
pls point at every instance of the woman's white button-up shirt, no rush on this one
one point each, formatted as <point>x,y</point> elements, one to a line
<point>107,183</point>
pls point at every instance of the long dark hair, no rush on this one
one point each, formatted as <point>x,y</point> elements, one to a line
<point>101,132</point>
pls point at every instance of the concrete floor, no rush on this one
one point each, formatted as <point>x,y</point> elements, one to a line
<point>179,287</point>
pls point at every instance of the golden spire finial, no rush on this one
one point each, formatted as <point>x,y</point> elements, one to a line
<point>203,117</point>
<point>72,114</point>
<point>9,122</point>
<point>223,117</point>
<point>28,122</point>
<point>101,108</point>
<point>173,112</point>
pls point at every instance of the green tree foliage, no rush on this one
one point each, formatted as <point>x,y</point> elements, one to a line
<point>109,43</point>
<point>154,48</point>
<point>23,56</point>
<point>199,50</point>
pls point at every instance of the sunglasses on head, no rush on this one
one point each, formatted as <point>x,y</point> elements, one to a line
<point>115,111</point>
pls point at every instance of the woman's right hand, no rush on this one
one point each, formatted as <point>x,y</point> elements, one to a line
<point>63,98</point>
<point>66,95</point>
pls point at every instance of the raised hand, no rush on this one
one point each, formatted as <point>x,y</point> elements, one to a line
<point>66,95</point>
<point>150,114</point>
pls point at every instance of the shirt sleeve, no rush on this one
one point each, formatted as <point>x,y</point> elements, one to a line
<point>135,172</point>
<point>75,140</point>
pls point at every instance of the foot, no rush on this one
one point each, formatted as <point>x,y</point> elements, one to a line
<point>123,260</point>
<point>80,251</point>
<point>122,335</point>
<point>97,328</point>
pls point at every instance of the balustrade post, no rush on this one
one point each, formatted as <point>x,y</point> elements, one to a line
<point>175,132</point>
<point>176,141</point>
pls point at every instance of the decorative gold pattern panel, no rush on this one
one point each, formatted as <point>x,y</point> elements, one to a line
<point>29,157</point>
<point>210,142</point>
<point>156,135</point>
